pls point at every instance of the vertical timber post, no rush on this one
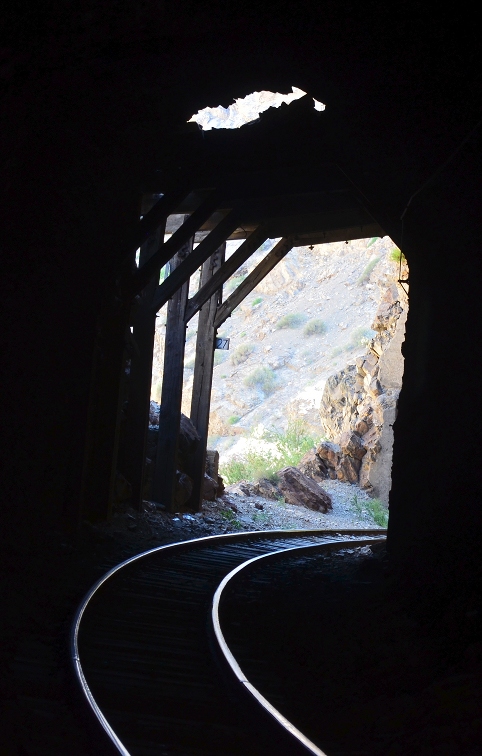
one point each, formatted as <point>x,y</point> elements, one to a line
<point>143,334</point>
<point>99,473</point>
<point>203,375</point>
<point>164,480</point>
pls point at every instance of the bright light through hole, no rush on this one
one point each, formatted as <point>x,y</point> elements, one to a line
<point>246,109</point>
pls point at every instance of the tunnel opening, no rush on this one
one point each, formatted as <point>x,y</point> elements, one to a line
<point>313,364</point>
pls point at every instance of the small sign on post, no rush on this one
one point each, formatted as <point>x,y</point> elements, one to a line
<point>221,344</point>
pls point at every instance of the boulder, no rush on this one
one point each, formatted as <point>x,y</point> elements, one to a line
<point>210,488</point>
<point>188,437</point>
<point>183,489</point>
<point>301,490</point>
<point>351,444</point>
<point>265,488</point>
<point>314,467</point>
<point>221,489</point>
<point>329,453</point>
<point>348,469</point>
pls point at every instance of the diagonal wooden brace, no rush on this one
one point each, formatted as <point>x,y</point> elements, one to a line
<point>243,253</point>
<point>168,249</point>
<point>255,277</point>
<point>206,248</point>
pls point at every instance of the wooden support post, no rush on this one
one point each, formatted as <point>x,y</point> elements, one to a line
<point>250,282</point>
<point>164,480</point>
<point>99,471</point>
<point>134,442</point>
<point>203,375</point>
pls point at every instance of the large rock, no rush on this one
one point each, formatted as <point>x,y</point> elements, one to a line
<point>314,467</point>
<point>348,469</point>
<point>352,445</point>
<point>330,453</point>
<point>301,490</point>
<point>210,488</point>
<point>182,490</point>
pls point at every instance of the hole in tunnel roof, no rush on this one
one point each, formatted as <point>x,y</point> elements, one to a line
<point>246,109</point>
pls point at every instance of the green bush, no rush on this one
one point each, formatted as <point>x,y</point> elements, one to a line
<point>292,320</point>
<point>378,511</point>
<point>293,443</point>
<point>241,353</point>
<point>396,255</point>
<point>219,356</point>
<point>189,364</point>
<point>233,283</point>
<point>252,467</point>
<point>233,419</point>
<point>375,507</point>
<point>256,301</point>
<point>360,337</point>
<point>262,378</point>
<point>290,446</point>
<point>368,270</point>
<point>315,325</point>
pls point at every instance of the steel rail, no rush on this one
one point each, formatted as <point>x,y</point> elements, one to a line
<point>338,541</point>
<point>231,659</point>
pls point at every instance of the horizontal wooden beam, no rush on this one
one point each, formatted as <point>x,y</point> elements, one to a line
<point>365,231</point>
<point>168,249</point>
<point>197,257</point>
<point>250,282</point>
<point>238,258</point>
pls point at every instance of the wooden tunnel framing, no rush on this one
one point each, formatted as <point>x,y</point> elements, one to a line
<point>281,208</point>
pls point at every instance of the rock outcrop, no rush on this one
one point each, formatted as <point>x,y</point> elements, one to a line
<point>301,490</point>
<point>359,404</point>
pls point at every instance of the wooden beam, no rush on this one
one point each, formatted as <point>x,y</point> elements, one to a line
<point>203,375</point>
<point>238,258</point>
<point>255,277</point>
<point>164,479</point>
<point>134,442</point>
<point>168,249</point>
<point>194,261</point>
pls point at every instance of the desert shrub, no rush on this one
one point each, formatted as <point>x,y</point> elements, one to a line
<point>252,466</point>
<point>396,255</point>
<point>189,364</point>
<point>292,320</point>
<point>233,419</point>
<point>262,378</point>
<point>336,351</point>
<point>232,283</point>
<point>375,507</point>
<point>368,270</point>
<point>290,446</point>
<point>256,301</point>
<point>241,353</point>
<point>219,356</point>
<point>315,325</point>
<point>360,337</point>
<point>378,511</point>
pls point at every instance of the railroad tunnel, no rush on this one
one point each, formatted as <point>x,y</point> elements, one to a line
<point>96,135</point>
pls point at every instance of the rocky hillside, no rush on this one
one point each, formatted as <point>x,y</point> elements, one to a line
<point>317,339</point>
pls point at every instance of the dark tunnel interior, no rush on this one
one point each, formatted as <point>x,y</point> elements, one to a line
<point>95,109</point>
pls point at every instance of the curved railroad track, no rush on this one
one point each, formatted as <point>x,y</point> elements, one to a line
<point>150,656</point>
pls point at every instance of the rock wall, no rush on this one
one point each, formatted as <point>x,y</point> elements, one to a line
<point>359,403</point>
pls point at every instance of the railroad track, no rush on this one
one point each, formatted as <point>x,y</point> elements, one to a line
<point>152,662</point>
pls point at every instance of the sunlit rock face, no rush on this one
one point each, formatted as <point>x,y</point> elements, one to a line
<point>246,109</point>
